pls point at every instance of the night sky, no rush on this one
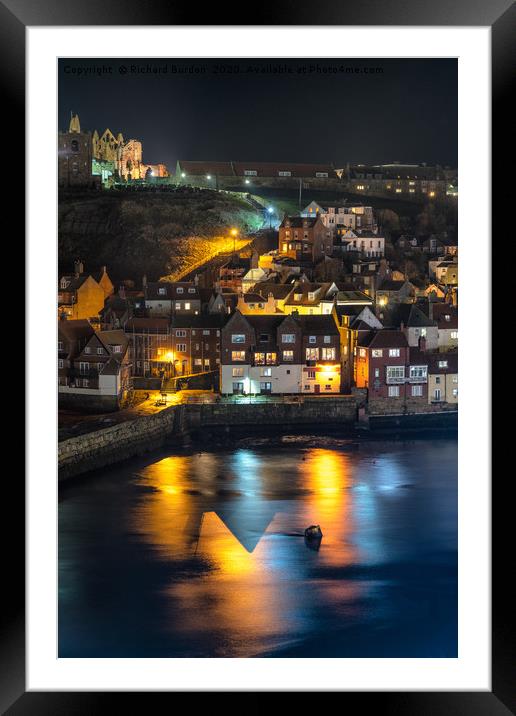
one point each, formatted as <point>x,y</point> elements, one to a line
<point>270,109</point>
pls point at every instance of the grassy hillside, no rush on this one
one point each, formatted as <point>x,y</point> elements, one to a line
<point>156,233</point>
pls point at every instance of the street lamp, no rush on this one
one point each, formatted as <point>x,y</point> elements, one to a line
<point>270,211</point>
<point>234,234</point>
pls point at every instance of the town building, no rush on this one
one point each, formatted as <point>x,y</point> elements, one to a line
<point>151,346</point>
<point>167,298</point>
<point>311,298</point>
<point>233,271</point>
<point>443,379</point>
<point>411,320</point>
<point>390,292</point>
<point>280,354</point>
<point>366,243</point>
<point>96,373</point>
<point>447,319</point>
<point>304,239</point>
<point>79,295</point>
<point>395,375</point>
<point>343,215</point>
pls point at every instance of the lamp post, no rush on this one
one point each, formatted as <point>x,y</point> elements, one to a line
<point>234,234</point>
<point>270,211</point>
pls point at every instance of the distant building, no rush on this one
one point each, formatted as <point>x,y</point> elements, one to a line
<point>398,180</point>
<point>74,164</point>
<point>245,175</point>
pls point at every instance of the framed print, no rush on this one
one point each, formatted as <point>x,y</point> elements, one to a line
<point>243,248</point>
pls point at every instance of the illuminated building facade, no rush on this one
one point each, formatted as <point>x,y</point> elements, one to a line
<point>280,354</point>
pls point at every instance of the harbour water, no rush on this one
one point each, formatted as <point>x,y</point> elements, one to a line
<point>201,553</point>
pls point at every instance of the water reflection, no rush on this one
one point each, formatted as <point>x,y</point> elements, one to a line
<point>211,545</point>
<point>250,547</point>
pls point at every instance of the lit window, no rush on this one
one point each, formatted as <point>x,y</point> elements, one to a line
<point>376,352</point>
<point>237,356</point>
<point>394,352</point>
<point>328,354</point>
<point>312,354</point>
<point>238,372</point>
<point>288,355</point>
<point>395,372</point>
<point>418,371</point>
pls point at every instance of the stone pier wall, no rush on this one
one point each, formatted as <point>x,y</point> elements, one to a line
<point>135,437</point>
<point>119,442</point>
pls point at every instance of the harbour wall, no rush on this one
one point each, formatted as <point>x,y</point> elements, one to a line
<point>172,426</point>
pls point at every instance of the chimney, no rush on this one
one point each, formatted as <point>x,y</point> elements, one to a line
<point>422,343</point>
<point>196,279</point>
<point>103,270</point>
<point>121,291</point>
<point>78,268</point>
<point>144,280</point>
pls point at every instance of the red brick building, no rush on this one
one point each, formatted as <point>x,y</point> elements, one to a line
<point>304,239</point>
<point>395,375</point>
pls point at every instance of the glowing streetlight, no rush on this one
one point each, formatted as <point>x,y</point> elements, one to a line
<point>234,234</point>
<point>183,175</point>
<point>208,176</point>
<point>247,181</point>
<point>270,211</point>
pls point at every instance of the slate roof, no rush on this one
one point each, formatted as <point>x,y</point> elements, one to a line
<point>384,338</point>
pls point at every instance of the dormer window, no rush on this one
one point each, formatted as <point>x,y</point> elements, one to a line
<point>162,291</point>
<point>64,283</point>
<point>311,296</point>
<point>117,349</point>
<point>180,289</point>
<point>191,290</point>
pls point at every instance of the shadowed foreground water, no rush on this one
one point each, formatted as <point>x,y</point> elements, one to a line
<point>202,554</point>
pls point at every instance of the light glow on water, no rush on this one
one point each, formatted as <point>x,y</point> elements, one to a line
<point>209,546</point>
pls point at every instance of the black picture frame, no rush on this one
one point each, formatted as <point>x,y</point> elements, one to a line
<point>500,15</point>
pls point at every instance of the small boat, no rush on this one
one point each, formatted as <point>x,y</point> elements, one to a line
<point>313,532</point>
